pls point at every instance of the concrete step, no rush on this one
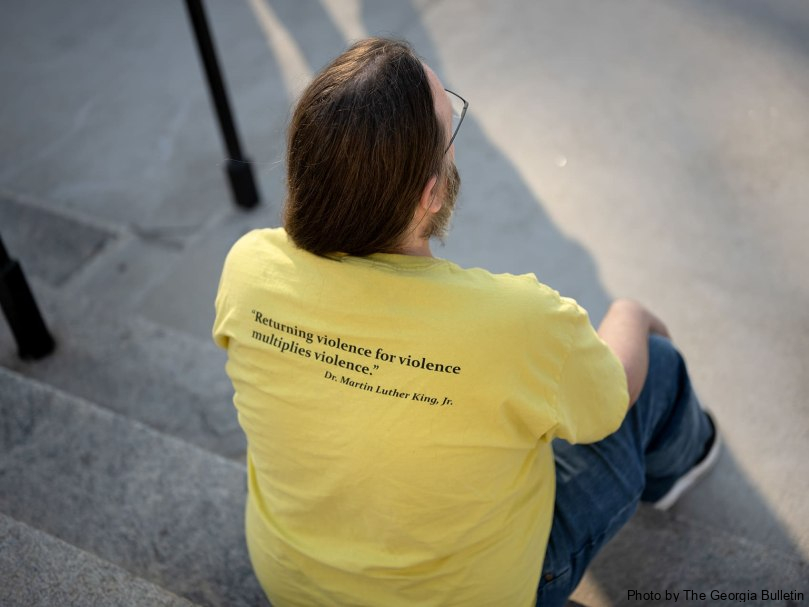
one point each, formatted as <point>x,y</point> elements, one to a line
<point>175,383</point>
<point>38,570</point>
<point>164,378</point>
<point>658,552</point>
<point>148,503</point>
<point>162,509</point>
<point>53,246</point>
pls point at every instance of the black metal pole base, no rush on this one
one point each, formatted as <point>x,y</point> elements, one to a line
<point>21,310</point>
<point>242,183</point>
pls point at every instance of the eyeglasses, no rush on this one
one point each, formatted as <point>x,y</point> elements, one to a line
<point>459,106</point>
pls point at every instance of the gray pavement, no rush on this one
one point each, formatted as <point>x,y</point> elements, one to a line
<point>165,511</point>
<point>656,150</point>
<point>64,572</point>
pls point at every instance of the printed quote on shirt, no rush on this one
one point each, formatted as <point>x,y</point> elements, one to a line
<point>357,366</point>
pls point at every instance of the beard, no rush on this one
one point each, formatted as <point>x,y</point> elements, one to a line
<point>439,226</point>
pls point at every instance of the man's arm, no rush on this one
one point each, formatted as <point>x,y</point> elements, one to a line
<point>625,329</point>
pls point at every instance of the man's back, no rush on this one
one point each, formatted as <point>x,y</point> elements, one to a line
<point>399,412</point>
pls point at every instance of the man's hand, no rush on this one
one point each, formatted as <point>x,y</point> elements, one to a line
<point>626,329</point>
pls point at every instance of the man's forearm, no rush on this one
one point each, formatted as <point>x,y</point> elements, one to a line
<point>625,329</point>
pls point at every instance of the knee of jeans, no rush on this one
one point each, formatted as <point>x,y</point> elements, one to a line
<point>664,356</point>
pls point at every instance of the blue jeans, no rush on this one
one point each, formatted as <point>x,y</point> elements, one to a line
<point>599,486</point>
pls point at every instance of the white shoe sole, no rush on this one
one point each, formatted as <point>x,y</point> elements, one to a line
<point>690,478</point>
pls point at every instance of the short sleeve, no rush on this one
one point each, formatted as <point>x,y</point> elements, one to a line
<point>222,305</point>
<point>592,396</point>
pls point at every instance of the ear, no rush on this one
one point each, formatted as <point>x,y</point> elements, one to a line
<point>429,201</point>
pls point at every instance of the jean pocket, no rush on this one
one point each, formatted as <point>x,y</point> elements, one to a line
<point>554,588</point>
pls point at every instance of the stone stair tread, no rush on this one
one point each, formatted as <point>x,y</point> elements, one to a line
<point>658,551</point>
<point>169,380</point>
<point>39,570</point>
<point>154,505</point>
<point>48,242</point>
<point>146,502</point>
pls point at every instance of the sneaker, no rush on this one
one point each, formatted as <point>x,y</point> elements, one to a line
<point>700,469</point>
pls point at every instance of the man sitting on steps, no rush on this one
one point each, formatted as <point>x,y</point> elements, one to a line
<point>401,411</point>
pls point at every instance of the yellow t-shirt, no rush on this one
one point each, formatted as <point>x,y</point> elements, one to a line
<point>399,412</point>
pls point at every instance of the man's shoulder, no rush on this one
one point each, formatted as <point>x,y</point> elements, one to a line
<point>507,284</point>
<point>521,298</point>
<point>273,248</point>
<point>264,245</point>
<point>260,238</point>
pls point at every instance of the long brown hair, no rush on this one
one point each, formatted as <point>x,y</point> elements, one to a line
<point>363,142</point>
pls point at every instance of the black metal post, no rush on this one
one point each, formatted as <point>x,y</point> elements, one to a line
<point>21,310</point>
<point>238,168</point>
